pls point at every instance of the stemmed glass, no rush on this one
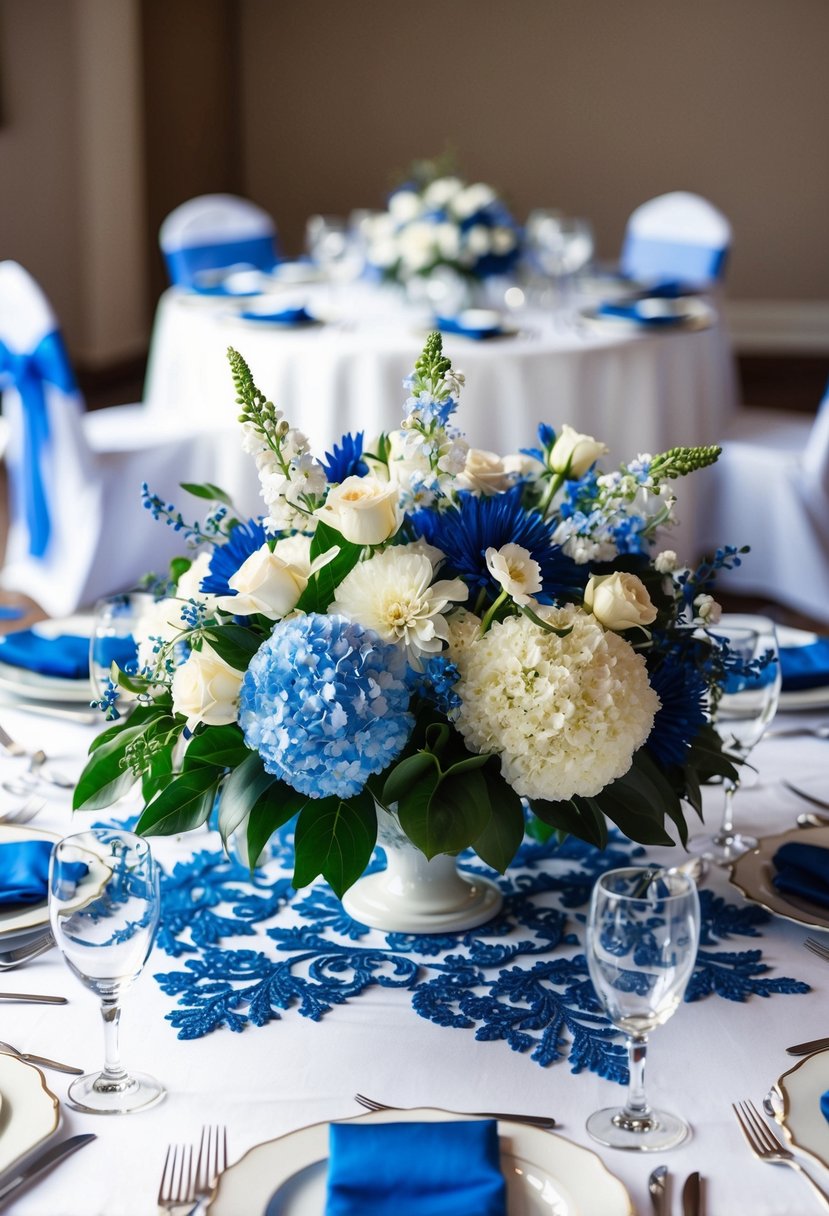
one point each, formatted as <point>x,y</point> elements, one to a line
<point>559,246</point>
<point>740,717</point>
<point>104,907</point>
<point>642,938</point>
<point>113,635</point>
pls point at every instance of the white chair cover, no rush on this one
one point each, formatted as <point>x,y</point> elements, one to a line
<point>677,236</point>
<point>770,490</point>
<point>78,529</point>
<point>214,232</point>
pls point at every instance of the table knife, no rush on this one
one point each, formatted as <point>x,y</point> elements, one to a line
<point>42,1163</point>
<point>33,998</point>
<point>692,1196</point>
<point>806,1049</point>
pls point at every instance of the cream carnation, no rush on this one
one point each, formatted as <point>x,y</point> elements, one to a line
<point>565,714</point>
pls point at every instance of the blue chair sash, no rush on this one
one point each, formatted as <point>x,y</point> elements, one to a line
<point>184,264</point>
<point>647,259</point>
<point>48,363</point>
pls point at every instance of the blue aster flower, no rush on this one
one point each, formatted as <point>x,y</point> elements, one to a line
<point>325,703</point>
<point>226,559</point>
<point>464,533</point>
<point>682,690</point>
<point>346,460</point>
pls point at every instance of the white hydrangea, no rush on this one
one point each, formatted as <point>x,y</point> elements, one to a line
<point>565,714</point>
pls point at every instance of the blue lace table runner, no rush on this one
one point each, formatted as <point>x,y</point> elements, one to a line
<point>521,979</point>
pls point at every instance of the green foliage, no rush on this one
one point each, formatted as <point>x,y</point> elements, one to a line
<point>233,643</point>
<point>322,586</point>
<point>335,839</point>
<point>184,803</point>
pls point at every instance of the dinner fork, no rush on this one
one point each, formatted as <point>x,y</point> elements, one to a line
<point>41,1061</point>
<point>211,1162</point>
<point>817,948</point>
<point>547,1123</point>
<point>24,812</point>
<point>16,957</point>
<point>765,1145</point>
<point>176,1187</point>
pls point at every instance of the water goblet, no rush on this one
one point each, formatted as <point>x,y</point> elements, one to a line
<point>104,908</point>
<point>113,634</point>
<point>740,717</point>
<point>642,938</point>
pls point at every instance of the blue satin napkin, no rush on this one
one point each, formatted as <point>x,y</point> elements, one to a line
<point>824,1105</point>
<point>66,656</point>
<point>24,872</point>
<point>803,870</point>
<point>286,316</point>
<point>454,325</point>
<point>415,1169</point>
<point>637,311</point>
<point>805,666</point>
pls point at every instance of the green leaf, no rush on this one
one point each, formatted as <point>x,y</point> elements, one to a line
<point>106,778</point>
<point>456,814</point>
<point>636,825</point>
<point>141,716</point>
<point>335,839</point>
<point>159,774</point>
<point>182,805</point>
<point>207,490</point>
<point>437,736</point>
<point>217,746</point>
<point>234,643</point>
<point>240,792</point>
<point>499,841</point>
<point>323,585</point>
<point>405,774</point>
<point>573,816</point>
<point>278,804</point>
<point>466,764</point>
<point>179,566</point>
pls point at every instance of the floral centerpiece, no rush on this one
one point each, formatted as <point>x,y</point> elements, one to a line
<point>470,645</point>
<point>442,221</point>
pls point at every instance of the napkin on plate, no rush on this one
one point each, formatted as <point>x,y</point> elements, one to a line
<point>640,311</point>
<point>66,656</point>
<point>416,1169</point>
<point>805,666</point>
<point>284,316</point>
<point>803,870</point>
<point>24,872</point>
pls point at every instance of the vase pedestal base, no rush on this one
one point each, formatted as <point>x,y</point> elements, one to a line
<point>422,896</point>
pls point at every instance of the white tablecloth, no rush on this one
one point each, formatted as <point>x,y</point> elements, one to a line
<point>640,392</point>
<point>267,1081</point>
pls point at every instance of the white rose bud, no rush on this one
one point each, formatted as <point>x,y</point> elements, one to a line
<point>364,510</point>
<point>708,610</point>
<point>516,570</point>
<point>665,562</point>
<point>619,601</point>
<point>483,473</point>
<point>206,689</point>
<point>271,583</point>
<point>572,453</point>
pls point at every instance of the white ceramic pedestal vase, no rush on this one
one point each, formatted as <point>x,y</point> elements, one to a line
<point>415,895</point>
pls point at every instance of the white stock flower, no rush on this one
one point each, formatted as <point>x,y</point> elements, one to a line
<point>518,573</point>
<point>707,609</point>
<point>206,689</point>
<point>566,714</point>
<point>189,585</point>
<point>270,583</point>
<point>405,205</point>
<point>619,600</point>
<point>364,510</point>
<point>573,453</point>
<point>448,241</point>
<point>454,379</point>
<point>483,473</point>
<point>393,594</point>
<point>665,562</point>
<point>439,192</point>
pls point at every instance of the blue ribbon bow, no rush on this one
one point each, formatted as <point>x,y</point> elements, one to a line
<point>48,363</point>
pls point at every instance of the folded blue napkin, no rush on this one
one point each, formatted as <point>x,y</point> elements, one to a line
<point>285,316</point>
<point>803,870</point>
<point>671,289</point>
<point>638,311</point>
<point>9,613</point>
<point>24,872</point>
<point>805,666</point>
<point>454,325</point>
<point>415,1169</point>
<point>66,656</point>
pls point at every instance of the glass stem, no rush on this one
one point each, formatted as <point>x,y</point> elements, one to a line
<point>726,832</point>
<point>636,1108</point>
<point>114,1072</point>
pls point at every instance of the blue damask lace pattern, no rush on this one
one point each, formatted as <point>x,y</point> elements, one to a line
<point>521,979</point>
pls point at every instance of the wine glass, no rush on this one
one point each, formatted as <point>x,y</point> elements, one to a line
<point>113,634</point>
<point>104,907</point>
<point>642,938</point>
<point>559,246</point>
<point>747,705</point>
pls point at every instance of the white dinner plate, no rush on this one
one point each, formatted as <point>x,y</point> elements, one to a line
<point>686,312</point>
<point>801,1118</point>
<point>753,872</point>
<point>30,1112</point>
<point>24,917</point>
<point>545,1173</point>
<point>33,685</point>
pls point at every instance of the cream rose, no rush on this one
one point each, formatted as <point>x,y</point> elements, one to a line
<point>364,510</point>
<point>619,601</point>
<point>270,582</point>
<point>206,689</point>
<point>483,473</point>
<point>572,453</point>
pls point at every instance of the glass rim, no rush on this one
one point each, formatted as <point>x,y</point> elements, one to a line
<point>656,872</point>
<point>101,833</point>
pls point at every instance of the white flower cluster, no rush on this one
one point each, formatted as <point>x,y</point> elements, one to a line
<point>290,477</point>
<point>565,714</point>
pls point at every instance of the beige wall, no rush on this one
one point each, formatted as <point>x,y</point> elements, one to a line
<point>587,105</point>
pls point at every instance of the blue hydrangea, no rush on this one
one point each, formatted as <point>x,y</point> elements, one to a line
<point>325,703</point>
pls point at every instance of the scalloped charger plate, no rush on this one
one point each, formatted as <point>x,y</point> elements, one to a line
<point>29,1114</point>
<point>753,872</point>
<point>802,1119</point>
<point>287,1176</point>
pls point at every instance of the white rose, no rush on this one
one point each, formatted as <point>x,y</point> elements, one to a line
<point>189,585</point>
<point>483,473</point>
<point>404,205</point>
<point>441,190</point>
<point>269,583</point>
<point>472,199</point>
<point>448,240</point>
<point>619,601</point>
<point>478,240</point>
<point>364,510</point>
<point>518,464</point>
<point>504,239</point>
<point>206,689</point>
<point>516,570</point>
<point>572,453</point>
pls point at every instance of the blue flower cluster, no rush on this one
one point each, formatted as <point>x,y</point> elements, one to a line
<point>226,559</point>
<point>325,703</point>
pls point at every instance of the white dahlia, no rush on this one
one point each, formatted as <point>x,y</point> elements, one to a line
<point>565,714</point>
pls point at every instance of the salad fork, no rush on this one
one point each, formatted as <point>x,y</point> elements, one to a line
<point>16,957</point>
<point>210,1163</point>
<point>765,1145</point>
<point>176,1187</point>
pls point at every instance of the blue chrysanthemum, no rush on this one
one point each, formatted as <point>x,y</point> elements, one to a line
<point>346,460</point>
<point>226,559</point>
<point>325,703</point>
<point>464,533</point>
<point>682,690</point>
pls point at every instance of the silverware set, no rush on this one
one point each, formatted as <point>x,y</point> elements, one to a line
<point>186,1183</point>
<point>38,770</point>
<point>766,1147</point>
<point>659,1189</point>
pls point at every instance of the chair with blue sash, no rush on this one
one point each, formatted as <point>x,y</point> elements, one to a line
<point>770,490</point>
<point>216,232</point>
<point>677,237</point>
<point>77,527</point>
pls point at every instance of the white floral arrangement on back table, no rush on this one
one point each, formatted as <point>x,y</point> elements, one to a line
<point>478,645</point>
